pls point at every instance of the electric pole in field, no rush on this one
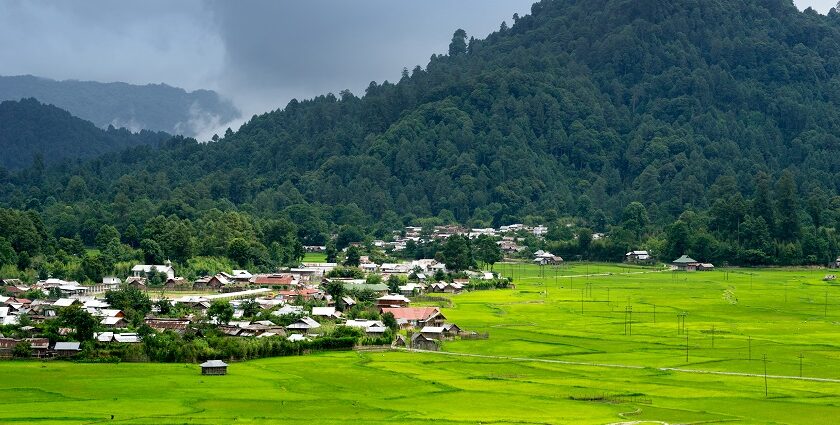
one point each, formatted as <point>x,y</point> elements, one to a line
<point>801,356</point>
<point>765,375</point>
<point>628,320</point>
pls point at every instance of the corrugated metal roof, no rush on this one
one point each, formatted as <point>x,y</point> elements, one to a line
<point>67,345</point>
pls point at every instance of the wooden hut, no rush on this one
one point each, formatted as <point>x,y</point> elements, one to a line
<point>214,367</point>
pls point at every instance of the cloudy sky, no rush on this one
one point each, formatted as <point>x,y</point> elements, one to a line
<point>260,53</point>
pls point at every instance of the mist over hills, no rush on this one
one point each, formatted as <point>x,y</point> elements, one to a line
<point>156,107</point>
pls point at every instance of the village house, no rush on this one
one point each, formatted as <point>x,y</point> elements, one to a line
<point>432,332</point>
<point>177,283</point>
<point>215,282</point>
<point>136,282</point>
<point>685,263</point>
<point>240,276</point>
<point>113,322</point>
<point>329,313</point>
<point>198,303</point>
<point>544,258</point>
<point>451,330</point>
<point>447,287</point>
<point>287,310</point>
<point>144,270</point>
<point>410,317</point>
<point>423,342</point>
<point>111,283</point>
<point>283,282</point>
<point>67,349</point>
<point>637,257</point>
<point>123,338</point>
<point>392,300</point>
<point>411,289</point>
<point>302,293</point>
<point>39,346</point>
<point>371,327</point>
<point>304,325</point>
<point>166,324</point>
<point>214,367</point>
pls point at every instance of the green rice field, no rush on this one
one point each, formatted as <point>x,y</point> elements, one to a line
<point>563,347</point>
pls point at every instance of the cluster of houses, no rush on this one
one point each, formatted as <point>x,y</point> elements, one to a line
<point>281,294</point>
<point>38,311</point>
<point>509,235</point>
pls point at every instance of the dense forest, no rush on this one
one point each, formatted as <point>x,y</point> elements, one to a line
<point>155,107</point>
<point>700,127</point>
<point>34,134</point>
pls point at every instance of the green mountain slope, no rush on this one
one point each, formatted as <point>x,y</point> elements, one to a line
<point>29,129</point>
<point>730,108</point>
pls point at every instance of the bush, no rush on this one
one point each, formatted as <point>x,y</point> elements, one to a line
<point>22,350</point>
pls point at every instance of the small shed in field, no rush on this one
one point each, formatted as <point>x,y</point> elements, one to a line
<point>214,367</point>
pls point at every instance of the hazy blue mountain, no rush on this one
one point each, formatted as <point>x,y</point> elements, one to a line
<point>156,107</point>
<point>29,128</point>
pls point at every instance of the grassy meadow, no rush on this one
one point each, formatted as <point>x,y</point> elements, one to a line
<point>560,350</point>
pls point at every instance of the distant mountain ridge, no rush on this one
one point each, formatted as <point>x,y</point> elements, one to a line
<point>30,129</point>
<point>156,107</point>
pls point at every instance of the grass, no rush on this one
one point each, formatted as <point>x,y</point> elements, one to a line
<point>314,257</point>
<point>779,312</point>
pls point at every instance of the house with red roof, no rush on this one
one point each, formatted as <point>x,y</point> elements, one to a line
<point>409,317</point>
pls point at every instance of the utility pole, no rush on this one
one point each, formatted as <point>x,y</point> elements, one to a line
<point>800,364</point>
<point>765,376</point>
<point>628,320</point>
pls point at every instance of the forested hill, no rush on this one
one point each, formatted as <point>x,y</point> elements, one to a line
<point>727,108</point>
<point>156,107</point>
<point>29,129</point>
<point>585,104</point>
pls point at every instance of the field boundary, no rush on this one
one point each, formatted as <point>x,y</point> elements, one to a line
<point>636,367</point>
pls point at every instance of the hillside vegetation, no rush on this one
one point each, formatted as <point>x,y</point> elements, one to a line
<point>700,127</point>
<point>34,134</point>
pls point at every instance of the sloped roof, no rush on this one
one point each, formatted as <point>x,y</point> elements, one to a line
<point>67,345</point>
<point>412,313</point>
<point>214,363</point>
<point>685,259</point>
